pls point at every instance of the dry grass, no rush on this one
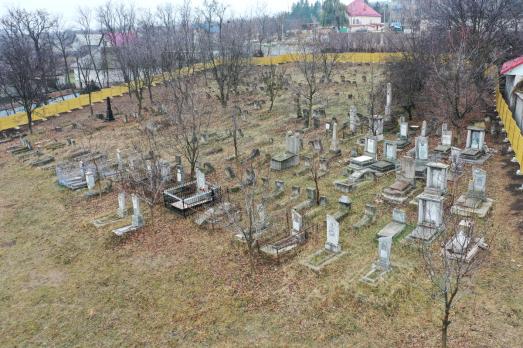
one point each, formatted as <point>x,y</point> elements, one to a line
<point>64,283</point>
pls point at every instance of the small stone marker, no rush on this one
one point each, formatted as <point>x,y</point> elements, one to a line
<point>122,209</point>
<point>333,235</point>
<point>384,247</point>
<point>89,177</point>
<point>200,180</point>
<point>137,218</point>
<point>297,221</point>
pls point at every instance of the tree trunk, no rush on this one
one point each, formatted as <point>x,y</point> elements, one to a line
<point>91,104</point>
<point>150,93</point>
<point>30,121</point>
<point>272,103</point>
<point>444,329</point>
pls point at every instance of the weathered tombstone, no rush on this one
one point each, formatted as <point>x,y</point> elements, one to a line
<point>390,151</point>
<point>180,175</point>
<point>122,209</point>
<point>323,201</point>
<point>295,191</point>
<point>89,177</point>
<point>137,218</point>
<point>353,119</point>
<point>371,147</point>
<point>200,180</point>
<point>178,160</point>
<point>436,178</point>
<point>424,128</point>
<point>384,247</point>
<point>334,141</point>
<point>315,122</point>
<point>311,194</point>
<point>279,185</point>
<point>388,103</point>
<point>376,127</point>
<point>333,235</point>
<point>165,170</point>
<point>430,218</point>
<point>422,149</point>
<point>324,164</point>
<point>297,221</point>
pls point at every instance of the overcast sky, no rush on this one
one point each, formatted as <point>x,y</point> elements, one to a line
<point>68,8</point>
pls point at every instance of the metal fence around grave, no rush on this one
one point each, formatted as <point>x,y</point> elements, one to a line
<point>185,199</point>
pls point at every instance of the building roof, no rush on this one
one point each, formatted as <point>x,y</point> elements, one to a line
<point>511,64</point>
<point>358,8</point>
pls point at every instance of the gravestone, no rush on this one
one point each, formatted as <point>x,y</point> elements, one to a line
<point>390,151</point>
<point>333,235</point>
<point>323,201</point>
<point>334,141</point>
<point>165,170</point>
<point>388,103</point>
<point>200,181</point>
<point>430,218</point>
<point>376,127</point>
<point>279,185</point>
<point>475,201</point>
<point>297,221</point>
<point>122,209</point>
<point>295,191</point>
<point>403,138</point>
<point>384,246</point>
<point>436,178</point>
<point>311,194</point>
<point>353,119</point>
<point>180,175</point>
<point>137,218</point>
<point>89,177</point>
<point>424,128</point>
<point>474,151</point>
<point>396,226</point>
<point>446,142</point>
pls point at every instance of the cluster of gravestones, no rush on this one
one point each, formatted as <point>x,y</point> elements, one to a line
<point>34,157</point>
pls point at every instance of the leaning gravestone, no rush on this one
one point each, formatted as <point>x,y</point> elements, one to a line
<point>384,247</point>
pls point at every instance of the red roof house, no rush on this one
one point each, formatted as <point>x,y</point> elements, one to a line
<point>362,17</point>
<point>358,8</point>
<point>508,67</point>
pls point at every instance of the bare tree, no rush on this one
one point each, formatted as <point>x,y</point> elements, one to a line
<point>22,74</point>
<point>190,118</point>
<point>308,60</point>
<point>63,40</point>
<point>273,78</point>
<point>225,48</point>
<point>329,57</point>
<point>449,265</point>
<point>315,174</point>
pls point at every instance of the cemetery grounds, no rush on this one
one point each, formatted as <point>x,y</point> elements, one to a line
<point>65,283</point>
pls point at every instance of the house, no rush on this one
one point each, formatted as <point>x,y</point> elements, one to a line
<point>362,17</point>
<point>513,72</point>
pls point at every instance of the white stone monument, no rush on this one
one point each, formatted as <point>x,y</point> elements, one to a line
<point>122,209</point>
<point>297,221</point>
<point>137,218</point>
<point>200,181</point>
<point>384,247</point>
<point>333,235</point>
<point>89,177</point>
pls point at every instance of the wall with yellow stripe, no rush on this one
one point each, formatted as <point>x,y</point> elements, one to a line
<point>58,108</point>
<point>513,132</point>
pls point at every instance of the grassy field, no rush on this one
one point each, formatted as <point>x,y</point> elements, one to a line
<point>64,283</point>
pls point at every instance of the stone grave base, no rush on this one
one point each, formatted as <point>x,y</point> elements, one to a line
<point>424,233</point>
<point>479,160</point>
<point>321,258</point>
<point>126,229</point>
<point>375,275</point>
<point>392,229</point>
<point>110,219</point>
<point>481,211</point>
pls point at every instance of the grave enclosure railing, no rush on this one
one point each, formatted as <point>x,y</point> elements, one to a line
<point>509,124</point>
<point>55,109</point>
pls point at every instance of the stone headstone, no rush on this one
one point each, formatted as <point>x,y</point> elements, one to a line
<point>390,151</point>
<point>230,172</point>
<point>333,235</point>
<point>408,168</point>
<point>388,103</point>
<point>424,128</point>
<point>404,130</point>
<point>422,148</point>
<point>437,177</point>
<point>479,180</point>
<point>297,221</point>
<point>165,170</point>
<point>399,216</point>
<point>200,180</point>
<point>323,201</point>
<point>446,138</point>
<point>122,209</point>
<point>137,218</point>
<point>292,143</point>
<point>89,177</point>
<point>353,119</point>
<point>279,185</point>
<point>311,194</point>
<point>371,147</point>
<point>345,202</point>
<point>334,141</point>
<point>384,247</point>
<point>180,175</point>
<point>296,191</point>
